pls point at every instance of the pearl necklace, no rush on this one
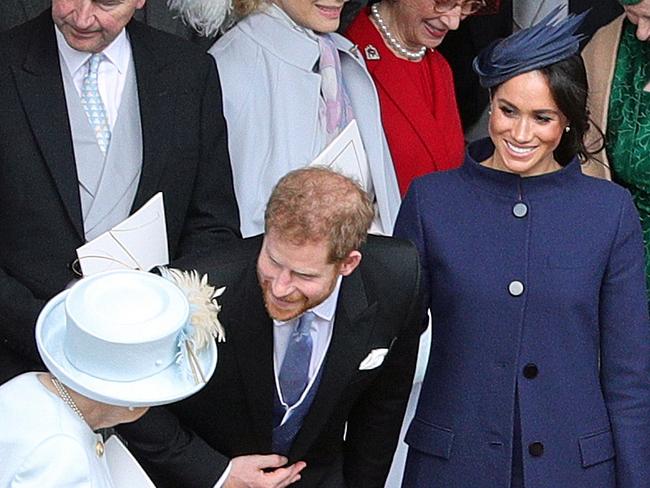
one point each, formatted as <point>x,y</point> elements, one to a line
<point>394,43</point>
<point>67,399</point>
<point>65,396</point>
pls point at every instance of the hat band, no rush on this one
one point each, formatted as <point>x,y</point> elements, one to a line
<point>119,362</point>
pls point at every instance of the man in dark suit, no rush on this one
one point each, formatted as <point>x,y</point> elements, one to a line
<point>66,178</point>
<point>249,428</point>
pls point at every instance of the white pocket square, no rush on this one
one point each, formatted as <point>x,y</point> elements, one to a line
<point>374,359</point>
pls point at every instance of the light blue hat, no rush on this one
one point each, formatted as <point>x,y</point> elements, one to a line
<point>122,338</point>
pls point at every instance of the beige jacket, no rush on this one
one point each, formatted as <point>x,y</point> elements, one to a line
<point>600,60</point>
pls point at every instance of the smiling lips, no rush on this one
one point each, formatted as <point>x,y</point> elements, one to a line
<point>435,31</point>
<point>520,151</point>
<point>332,13</point>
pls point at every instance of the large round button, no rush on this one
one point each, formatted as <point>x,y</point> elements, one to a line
<point>516,288</point>
<point>520,210</point>
<point>530,371</point>
<point>536,449</point>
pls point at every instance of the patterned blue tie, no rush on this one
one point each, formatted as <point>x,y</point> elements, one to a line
<point>294,373</point>
<point>93,105</point>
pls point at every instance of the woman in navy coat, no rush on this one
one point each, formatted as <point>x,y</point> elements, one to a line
<point>539,372</point>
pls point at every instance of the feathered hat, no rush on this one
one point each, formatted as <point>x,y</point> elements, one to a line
<point>131,338</point>
<point>546,43</point>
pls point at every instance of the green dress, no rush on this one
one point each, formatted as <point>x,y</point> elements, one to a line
<point>628,126</point>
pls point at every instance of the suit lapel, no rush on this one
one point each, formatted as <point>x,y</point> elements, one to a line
<point>251,330</point>
<point>40,87</point>
<point>353,323</point>
<point>156,85</point>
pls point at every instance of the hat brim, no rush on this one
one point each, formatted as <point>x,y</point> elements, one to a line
<point>167,386</point>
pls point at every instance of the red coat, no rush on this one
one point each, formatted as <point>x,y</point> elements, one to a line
<point>418,106</point>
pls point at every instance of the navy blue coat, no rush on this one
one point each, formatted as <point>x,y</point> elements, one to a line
<point>548,305</point>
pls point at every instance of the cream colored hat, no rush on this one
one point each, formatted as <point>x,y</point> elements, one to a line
<point>127,338</point>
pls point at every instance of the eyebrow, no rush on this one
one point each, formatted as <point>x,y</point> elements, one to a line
<point>311,274</point>
<point>537,112</point>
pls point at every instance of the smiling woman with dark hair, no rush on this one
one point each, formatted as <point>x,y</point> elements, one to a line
<point>539,371</point>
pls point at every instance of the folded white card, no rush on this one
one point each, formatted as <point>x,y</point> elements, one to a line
<point>138,242</point>
<point>125,470</point>
<point>346,155</point>
<point>374,359</point>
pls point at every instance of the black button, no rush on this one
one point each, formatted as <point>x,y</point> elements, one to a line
<point>520,210</point>
<point>530,371</point>
<point>536,449</point>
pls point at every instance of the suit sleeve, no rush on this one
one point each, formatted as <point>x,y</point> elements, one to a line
<point>19,309</point>
<point>625,351</point>
<point>375,421</point>
<point>409,227</point>
<point>213,216</point>
<point>171,455</point>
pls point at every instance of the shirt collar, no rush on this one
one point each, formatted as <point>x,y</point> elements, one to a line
<point>117,52</point>
<point>324,310</point>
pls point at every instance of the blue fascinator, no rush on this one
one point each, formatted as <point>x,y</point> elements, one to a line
<point>546,43</point>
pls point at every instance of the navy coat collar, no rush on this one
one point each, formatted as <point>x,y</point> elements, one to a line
<point>509,184</point>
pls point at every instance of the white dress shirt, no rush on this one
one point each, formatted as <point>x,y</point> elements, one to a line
<point>321,335</point>
<point>112,71</point>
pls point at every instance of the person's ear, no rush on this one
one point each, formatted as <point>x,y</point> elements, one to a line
<point>349,263</point>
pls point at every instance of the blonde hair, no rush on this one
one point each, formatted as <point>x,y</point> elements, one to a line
<point>316,204</point>
<point>242,8</point>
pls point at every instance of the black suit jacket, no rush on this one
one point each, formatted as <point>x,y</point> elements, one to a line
<point>185,155</point>
<point>379,306</point>
<point>477,32</point>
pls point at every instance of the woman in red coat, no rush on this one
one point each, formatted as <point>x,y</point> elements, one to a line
<point>416,91</point>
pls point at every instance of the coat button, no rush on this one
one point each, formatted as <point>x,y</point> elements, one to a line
<point>520,210</point>
<point>536,449</point>
<point>516,288</point>
<point>530,371</point>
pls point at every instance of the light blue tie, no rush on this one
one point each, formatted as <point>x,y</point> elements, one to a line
<point>294,373</point>
<point>93,105</point>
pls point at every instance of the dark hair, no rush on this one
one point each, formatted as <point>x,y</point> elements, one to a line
<point>567,80</point>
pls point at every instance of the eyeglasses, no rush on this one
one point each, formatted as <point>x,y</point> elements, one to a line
<point>467,7</point>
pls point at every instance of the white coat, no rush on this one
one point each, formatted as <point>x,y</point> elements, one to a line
<point>271,97</point>
<point>43,442</point>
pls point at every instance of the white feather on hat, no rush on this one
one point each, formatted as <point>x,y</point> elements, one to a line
<point>206,17</point>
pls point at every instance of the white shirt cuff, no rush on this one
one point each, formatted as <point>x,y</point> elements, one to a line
<point>224,476</point>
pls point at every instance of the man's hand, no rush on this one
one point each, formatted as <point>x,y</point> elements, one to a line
<point>258,471</point>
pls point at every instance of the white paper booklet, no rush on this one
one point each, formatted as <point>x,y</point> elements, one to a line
<point>138,242</point>
<point>125,470</point>
<point>345,154</point>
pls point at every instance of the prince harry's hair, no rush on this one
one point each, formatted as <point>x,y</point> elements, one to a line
<point>317,204</point>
